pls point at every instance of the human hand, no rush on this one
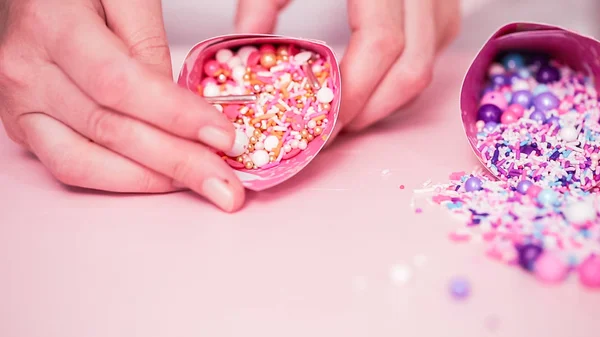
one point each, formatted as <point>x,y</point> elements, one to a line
<point>89,90</point>
<point>390,56</point>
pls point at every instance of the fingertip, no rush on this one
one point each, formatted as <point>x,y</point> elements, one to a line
<point>226,194</point>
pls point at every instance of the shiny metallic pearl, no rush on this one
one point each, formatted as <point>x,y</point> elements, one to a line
<point>268,60</point>
<point>246,77</point>
<point>249,165</point>
<point>272,158</point>
<point>253,140</point>
<point>240,121</point>
<point>326,106</point>
<point>257,88</point>
<point>304,133</point>
<point>239,159</point>
<point>310,137</point>
<point>257,133</point>
<point>283,51</point>
<point>317,130</point>
<point>222,78</point>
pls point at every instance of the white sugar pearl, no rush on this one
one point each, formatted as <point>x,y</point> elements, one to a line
<point>520,85</point>
<point>260,158</point>
<point>259,146</point>
<point>237,73</point>
<point>312,124</point>
<point>244,52</point>
<point>271,143</point>
<point>580,212</point>
<point>250,131</point>
<point>223,55</point>
<point>303,144</point>
<point>325,95</point>
<point>219,107</point>
<point>287,148</point>
<point>239,145</point>
<point>234,62</point>
<point>211,90</point>
<point>568,134</point>
<point>294,143</point>
<point>302,57</point>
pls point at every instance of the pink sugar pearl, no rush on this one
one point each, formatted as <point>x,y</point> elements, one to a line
<point>517,109</point>
<point>253,59</point>
<point>496,69</point>
<point>267,48</point>
<point>495,98</point>
<point>589,272</point>
<point>533,191</point>
<point>211,68</point>
<point>550,269</point>
<point>508,117</point>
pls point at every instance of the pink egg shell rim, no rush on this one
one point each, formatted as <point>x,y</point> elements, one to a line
<point>579,52</point>
<point>191,73</point>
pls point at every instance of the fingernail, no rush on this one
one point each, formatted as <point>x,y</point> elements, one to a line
<point>215,137</point>
<point>218,192</point>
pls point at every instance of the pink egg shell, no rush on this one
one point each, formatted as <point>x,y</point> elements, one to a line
<point>577,51</point>
<point>192,73</point>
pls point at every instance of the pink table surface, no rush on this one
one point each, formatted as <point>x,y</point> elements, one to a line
<point>75,263</point>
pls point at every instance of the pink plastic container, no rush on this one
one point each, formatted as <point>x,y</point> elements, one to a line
<point>191,75</point>
<point>579,52</point>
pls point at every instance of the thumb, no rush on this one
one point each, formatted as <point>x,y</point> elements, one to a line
<point>258,16</point>
<point>145,34</point>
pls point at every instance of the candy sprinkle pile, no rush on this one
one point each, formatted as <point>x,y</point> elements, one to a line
<point>278,97</point>
<point>544,231</point>
<point>538,120</point>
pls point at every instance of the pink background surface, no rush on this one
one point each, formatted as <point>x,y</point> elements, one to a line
<point>75,263</point>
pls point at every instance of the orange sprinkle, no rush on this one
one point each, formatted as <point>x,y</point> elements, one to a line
<point>284,91</point>
<point>320,118</point>
<point>253,82</point>
<point>323,77</point>
<point>281,107</point>
<point>200,90</point>
<point>260,118</point>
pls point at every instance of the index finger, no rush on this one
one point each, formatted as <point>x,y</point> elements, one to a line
<point>99,63</point>
<point>376,42</point>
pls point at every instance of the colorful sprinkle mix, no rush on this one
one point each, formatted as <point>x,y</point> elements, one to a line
<point>278,98</point>
<point>548,233</point>
<point>538,121</point>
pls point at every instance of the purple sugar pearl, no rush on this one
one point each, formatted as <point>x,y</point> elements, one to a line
<point>522,97</point>
<point>473,184</point>
<point>538,116</point>
<point>460,288</point>
<point>553,120</point>
<point>489,113</point>
<point>538,60</point>
<point>546,101</point>
<point>528,254</point>
<point>500,80</point>
<point>547,74</point>
<point>490,126</point>
<point>523,186</point>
